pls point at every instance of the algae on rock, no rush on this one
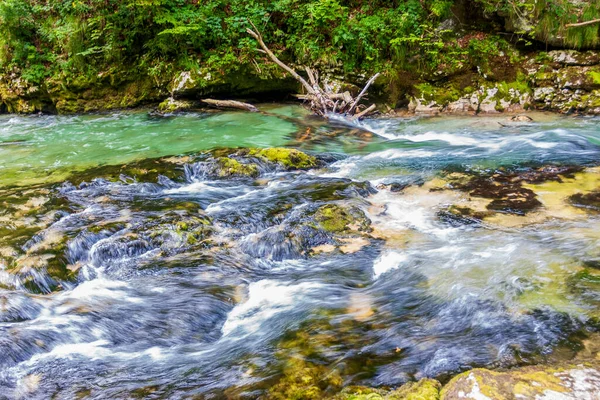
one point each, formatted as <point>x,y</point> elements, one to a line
<point>288,158</point>
<point>566,382</point>
<point>339,219</point>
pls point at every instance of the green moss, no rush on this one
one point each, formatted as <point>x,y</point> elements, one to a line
<point>586,276</point>
<point>337,219</point>
<point>425,389</point>
<point>595,76</point>
<point>441,96</point>
<point>526,382</point>
<point>361,393</point>
<point>231,167</point>
<point>170,105</point>
<point>289,158</point>
<point>111,226</point>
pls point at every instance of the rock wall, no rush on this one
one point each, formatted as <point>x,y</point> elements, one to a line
<point>564,81</point>
<point>133,89</point>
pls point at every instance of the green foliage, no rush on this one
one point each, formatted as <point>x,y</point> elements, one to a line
<point>94,38</point>
<point>546,20</point>
<point>92,43</point>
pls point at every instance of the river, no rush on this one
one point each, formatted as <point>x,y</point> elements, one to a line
<point>129,270</point>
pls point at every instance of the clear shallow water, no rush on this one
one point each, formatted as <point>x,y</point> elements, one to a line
<point>171,311</point>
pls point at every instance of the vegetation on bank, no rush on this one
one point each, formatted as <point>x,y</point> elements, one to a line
<point>128,52</point>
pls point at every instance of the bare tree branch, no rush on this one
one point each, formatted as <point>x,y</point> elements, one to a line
<point>256,35</point>
<point>322,97</point>
<point>362,93</point>
<point>586,23</point>
<point>364,112</point>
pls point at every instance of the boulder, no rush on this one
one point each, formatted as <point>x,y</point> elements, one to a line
<point>576,382</point>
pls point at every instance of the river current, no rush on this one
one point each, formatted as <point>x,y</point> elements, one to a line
<point>129,270</point>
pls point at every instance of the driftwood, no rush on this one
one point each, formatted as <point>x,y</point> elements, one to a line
<point>230,104</point>
<point>321,97</point>
<point>586,23</point>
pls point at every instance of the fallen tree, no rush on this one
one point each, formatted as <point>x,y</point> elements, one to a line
<point>321,97</point>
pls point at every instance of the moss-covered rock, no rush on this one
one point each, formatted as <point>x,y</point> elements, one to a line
<point>564,382</point>
<point>170,106</point>
<point>485,97</point>
<point>288,158</point>
<point>228,162</point>
<point>226,167</point>
<point>146,170</point>
<point>340,219</point>
<point>566,81</point>
<point>425,389</point>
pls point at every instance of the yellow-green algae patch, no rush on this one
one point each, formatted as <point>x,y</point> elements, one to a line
<point>554,194</point>
<point>340,219</point>
<point>560,382</point>
<point>230,167</point>
<point>425,389</point>
<point>551,290</point>
<point>289,158</point>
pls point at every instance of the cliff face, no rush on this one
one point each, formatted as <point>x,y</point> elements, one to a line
<point>564,81</point>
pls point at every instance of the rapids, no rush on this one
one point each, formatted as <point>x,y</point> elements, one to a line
<point>129,269</point>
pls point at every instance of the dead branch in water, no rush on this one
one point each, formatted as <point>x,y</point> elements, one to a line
<point>230,104</point>
<point>321,97</point>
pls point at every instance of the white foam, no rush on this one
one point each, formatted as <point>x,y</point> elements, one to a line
<point>98,288</point>
<point>198,187</point>
<point>93,350</point>
<point>266,298</point>
<point>388,261</point>
<point>339,169</point>
<point>450,138</point>
<point>391,154</point>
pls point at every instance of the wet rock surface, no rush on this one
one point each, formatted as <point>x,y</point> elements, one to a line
<point>588,200</point>
<point>539,382</point>
<point>505,189</point>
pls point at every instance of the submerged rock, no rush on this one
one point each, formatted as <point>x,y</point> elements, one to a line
<point>587,200</point>
<point>459,215</point>
<point>425,389</point>
<point>575,382</point>
<point>506,189</point>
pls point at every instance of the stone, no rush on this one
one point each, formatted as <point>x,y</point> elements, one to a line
<point>521,118</point>
<point>576,382</point>
<point>170,105</point>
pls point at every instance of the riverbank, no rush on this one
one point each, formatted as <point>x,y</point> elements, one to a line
<point>561,81</point>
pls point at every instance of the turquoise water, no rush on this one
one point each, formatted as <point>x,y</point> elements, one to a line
<point>38,148</point>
